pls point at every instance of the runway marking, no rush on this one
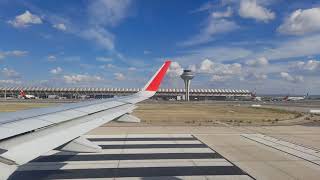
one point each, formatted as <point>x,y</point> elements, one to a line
<point>305,153</point>
<point>144,136</point>
<point>139,146</point>
<point>104,157</point>
<point>123,164</point>
<point>129,172</point>
<point>135,157</point>
<point>146,142</point>
<point>144,139</point>
<point>137,151</point>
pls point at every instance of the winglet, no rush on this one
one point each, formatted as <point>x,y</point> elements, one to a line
<point>154,83</point>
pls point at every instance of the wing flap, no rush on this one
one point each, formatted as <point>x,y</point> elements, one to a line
<point>19,127</point>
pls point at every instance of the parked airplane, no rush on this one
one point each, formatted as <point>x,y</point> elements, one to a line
<point>293,98</point>
<point>23,95</point>
<point>27,134</point>
<point>254,97</point>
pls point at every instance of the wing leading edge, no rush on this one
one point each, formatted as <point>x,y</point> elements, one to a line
<point>27,137</point>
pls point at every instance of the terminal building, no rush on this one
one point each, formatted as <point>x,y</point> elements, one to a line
<point>97,93</point>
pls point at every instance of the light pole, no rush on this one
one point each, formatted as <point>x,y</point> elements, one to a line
<point>187,75</point>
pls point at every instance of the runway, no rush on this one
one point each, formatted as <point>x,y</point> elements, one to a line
<point>135,156</point>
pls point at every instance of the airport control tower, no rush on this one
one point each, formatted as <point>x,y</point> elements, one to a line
<point>187,75</point>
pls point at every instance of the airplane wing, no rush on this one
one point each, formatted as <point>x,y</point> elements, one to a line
<point>25,135</point>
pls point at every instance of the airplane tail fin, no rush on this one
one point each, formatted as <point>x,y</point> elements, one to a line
<point>154,83</point>
<point>22,93</point>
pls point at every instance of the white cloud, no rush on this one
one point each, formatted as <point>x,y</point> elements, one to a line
<point>108,12</point>
<point>10,73</point>
<point>301,22</point>
<point>251,9</point>
<point>296,47</point>
<point>224,14</point>
<point>311,65</point>
<point>219,54</point>
<point>9,81</point>
<point>25,20</point>
<point>294,79</point>
<point>207,33</point>
<point>101,36</point>
<point>14,53</point>
<point>103,59</point>
<point>192,67</point>
<point>81,78</point>
<point>119,76</point>
<point>208,66</point>
<point>220,72</point>
<point>262,61</point>
<point>175,70</point>
<point>110,66</point>
<point>255,76</point>
<point>219,78</point>
<point>205,7</point>
<point>56,71</point>
<point>51,58</point>
<point>17,53</point>
<point>60,26</point>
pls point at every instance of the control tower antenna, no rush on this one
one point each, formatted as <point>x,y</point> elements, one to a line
<point>187,75</point>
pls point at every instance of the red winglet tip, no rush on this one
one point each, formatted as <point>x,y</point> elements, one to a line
<point>156,81</point>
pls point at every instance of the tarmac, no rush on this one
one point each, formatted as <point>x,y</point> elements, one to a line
<point>184,152</point>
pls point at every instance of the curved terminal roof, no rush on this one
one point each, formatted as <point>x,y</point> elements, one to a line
<point>121,90</point>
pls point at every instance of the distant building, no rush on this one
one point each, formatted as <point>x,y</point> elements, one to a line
<point>162,94</point>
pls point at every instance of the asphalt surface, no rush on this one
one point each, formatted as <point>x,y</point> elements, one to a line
<point>138,156</point>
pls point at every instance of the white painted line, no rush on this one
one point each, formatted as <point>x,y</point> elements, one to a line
<point>145,142</point>
<point>172,160</point>
<point>106,136</point>
<point>41,166</point>
<point>170,163</point>
<point>167,150</point>
<point>212,163</point>
<point>136,151</point>
<point>290,148</point>
<point>197,150</point>
<point>140,136</point>
<point>64,166</point>
<point>155,164</point>
<point>229,177</point>
<point>290,145</point>
<point>108,142</point>
<point>159,135</point>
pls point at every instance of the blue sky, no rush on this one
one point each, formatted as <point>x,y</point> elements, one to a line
<point>270,46</point>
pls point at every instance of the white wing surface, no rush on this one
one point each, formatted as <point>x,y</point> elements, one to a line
<point>25,135</point>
